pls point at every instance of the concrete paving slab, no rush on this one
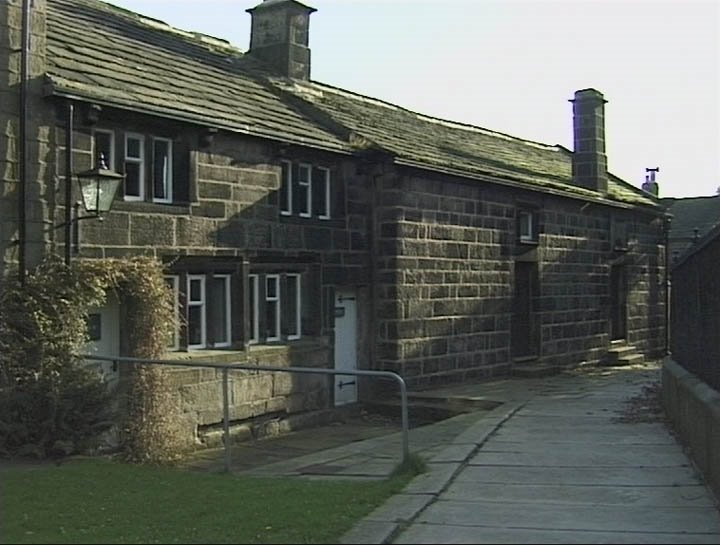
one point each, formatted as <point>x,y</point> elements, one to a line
<point>454,453</point>
<point>580,455</point>
<point>633,495</point>
<point>401,508</point>
<point>434,480</point>
<point>594,518</point>
<point>369,532</point>
<point>433,533</point>
<point>622,476</point>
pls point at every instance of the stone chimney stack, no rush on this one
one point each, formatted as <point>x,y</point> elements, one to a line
<point>589,163</point>
<point>279,36</point>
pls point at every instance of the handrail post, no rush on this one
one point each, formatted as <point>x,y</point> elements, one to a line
<point>226,419</point>
<point>405,424</point>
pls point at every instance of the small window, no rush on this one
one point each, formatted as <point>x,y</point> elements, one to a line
<point>286,193</point>
<point>304,190</point>
<point>321,193</point>
<point>527,233</point>
<point>162,170</point>
<point>104,149</point>
<point>134,167</point>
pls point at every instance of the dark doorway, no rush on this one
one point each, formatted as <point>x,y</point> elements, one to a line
<point>618,302</point>
<point>525,328</point>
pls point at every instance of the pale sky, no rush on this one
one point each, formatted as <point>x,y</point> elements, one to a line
<point>512,65</point>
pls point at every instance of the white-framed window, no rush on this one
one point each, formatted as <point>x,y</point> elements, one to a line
<point>291,307</point>
<point>321,193</point>
<point>286,190</point>
<point>305,190</point>
<point>173,282</point>
<point>196,319</point>
<point>162,177</point>
<point>218,309</point>
<point>104,148</point>
<point>526,226</point>
<point>134,167</point>
<point>254,308</point>
<point>304,187</point>
<point>275,307</point>
<point>272,307</point>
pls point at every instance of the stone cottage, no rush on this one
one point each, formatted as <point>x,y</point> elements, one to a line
<point>303,224</point>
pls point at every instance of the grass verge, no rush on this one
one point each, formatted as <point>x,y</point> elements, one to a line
<point>99,501</point>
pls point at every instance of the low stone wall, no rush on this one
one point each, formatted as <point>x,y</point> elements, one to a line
<point>694,409</point>
<point>252,394</point>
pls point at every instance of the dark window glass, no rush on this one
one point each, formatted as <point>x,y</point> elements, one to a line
<point>285,188</point>
<point>321,207</point>
<point>132,179</point>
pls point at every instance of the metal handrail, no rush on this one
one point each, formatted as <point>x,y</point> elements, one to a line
<point>239,366</point>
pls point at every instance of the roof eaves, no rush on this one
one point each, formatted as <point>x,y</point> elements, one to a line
<point>55,88</point>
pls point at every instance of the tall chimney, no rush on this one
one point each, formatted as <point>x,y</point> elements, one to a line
<point>589,162</point>
<point>279,36</point>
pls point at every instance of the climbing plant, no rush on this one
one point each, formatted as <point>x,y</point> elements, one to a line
<point>50,401</point>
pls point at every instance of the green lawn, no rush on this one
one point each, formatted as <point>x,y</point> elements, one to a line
<point>98,501</point>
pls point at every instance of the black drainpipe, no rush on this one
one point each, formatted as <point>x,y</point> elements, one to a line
<point>23,147</point>
<point>69,128</point>
<point>668,282</point>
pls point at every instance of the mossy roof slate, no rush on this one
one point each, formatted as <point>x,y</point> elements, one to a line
<point>100,52</point>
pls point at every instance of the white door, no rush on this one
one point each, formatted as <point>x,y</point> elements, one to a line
<point>104,330</point>
<point>345,347</point>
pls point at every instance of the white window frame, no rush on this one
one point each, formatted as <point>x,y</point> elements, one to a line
<point>277,300</point>
<point>109,161</point>
<point>308,184</point>
<point>136,160</point>
<point>175,286</point>
<point>525,226</point>
<point>228,312</point>
<point>286,209</point>
<point>326,215</point>
<point>168,181</point>
<point>254,308</point>
<point>298,301</point>
<point>202,304</point>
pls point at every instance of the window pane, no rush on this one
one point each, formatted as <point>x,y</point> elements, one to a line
<point>290,315</point>
<point>218,311</point>
<point>195,336</point>
<point>285,188</point>
<point>133,148</point>
<point>303,190</point>
<point>195,290</point>
<point>271,287</point>
<point>272,324</point>
<point>162,175</point>
<point>271,315</point>
<point>132,179</point>
<point>104,149</point>
<point>253,287</point>
<point>320,192</point>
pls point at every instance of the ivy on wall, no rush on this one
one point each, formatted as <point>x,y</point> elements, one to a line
<point>52,404</point>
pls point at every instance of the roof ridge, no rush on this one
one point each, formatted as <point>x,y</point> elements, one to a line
<point>426,117</point>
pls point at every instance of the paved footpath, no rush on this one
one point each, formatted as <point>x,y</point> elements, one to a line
<point>556,463</point>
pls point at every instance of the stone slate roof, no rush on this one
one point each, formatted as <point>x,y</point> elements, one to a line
<point>119,58</point>
<point>103,53</point>
<point>690,213</point>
